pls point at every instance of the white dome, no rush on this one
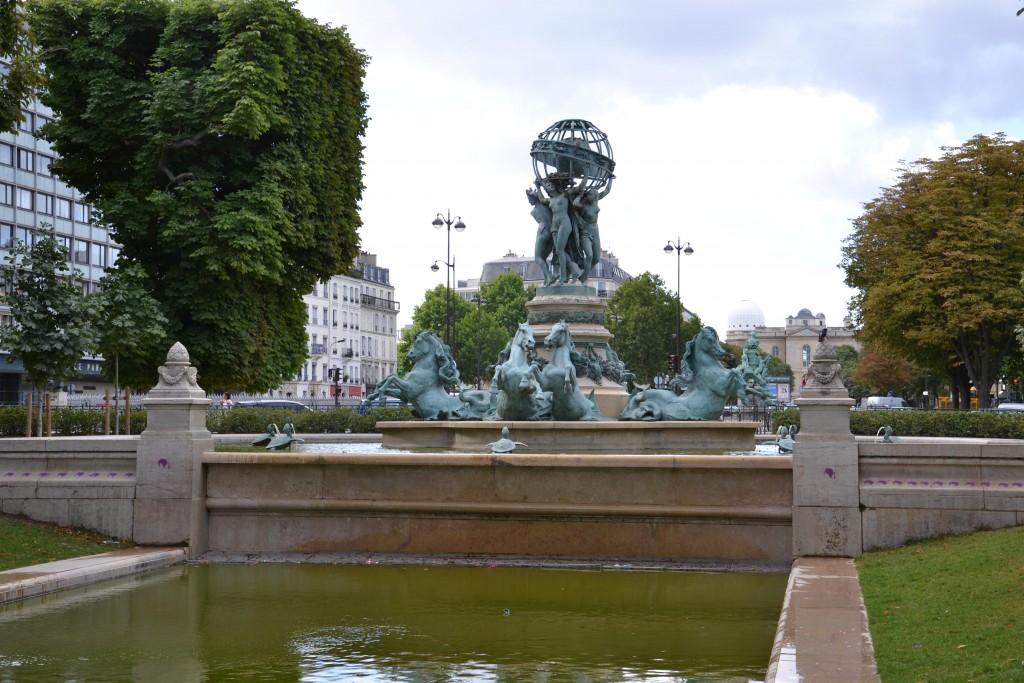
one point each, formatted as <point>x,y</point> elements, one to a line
<point>746,315</point>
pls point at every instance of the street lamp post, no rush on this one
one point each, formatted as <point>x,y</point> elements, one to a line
<point>479,378</point>
<point>335,371</point>
<point>680,248</point>
<point>459,226</point>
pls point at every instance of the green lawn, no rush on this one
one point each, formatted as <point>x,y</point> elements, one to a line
<point>24,543</point>
<point>948,609</point>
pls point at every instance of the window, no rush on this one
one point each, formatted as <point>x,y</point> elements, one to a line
<point>42,120</point>
<point>99,255</point>
<point>113,253</point>
<point>81,251</point>
<point>6,154</point>
<point>44,203</point>
<point>775,351</point>
<point>64,241</point>
<point>6,194</point>
<point>6,235</point>
<point>23,235</point>
<point>81,213</point>
<point>63,208</point>
<point>806,355</point>
<point>26,159</point>
<point>313,310</point>
<point>26,199</point>
<point>43,165</point>
<point>28,125</point>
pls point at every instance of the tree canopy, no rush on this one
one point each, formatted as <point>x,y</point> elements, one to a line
<point>18,82</point>
<point>221,140</point>
<point>132,330</point>
<point>642,316</point>
<point>53,319</point>
<point>506,297</point>
<point>469,320</point>
<point>937,257</point>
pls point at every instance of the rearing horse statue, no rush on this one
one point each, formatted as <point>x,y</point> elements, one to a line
<point>559,377</point>
<point>425,386</point>
<point>517,381</point>
<point>711,387</point>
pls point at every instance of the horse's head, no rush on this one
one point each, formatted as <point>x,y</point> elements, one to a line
<point>524,337</point>
<point>423,344</point>
<point>707,342</point>
<point>559,335</point>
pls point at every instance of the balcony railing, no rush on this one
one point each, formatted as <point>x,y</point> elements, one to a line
<point>377,302</point>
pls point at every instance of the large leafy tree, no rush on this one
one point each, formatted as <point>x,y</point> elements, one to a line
<point>221,141</point>
<point>133,331</point>
<point>642,316</point>
<point>53,319</point>
<point>937,257</point>
<point>882,373</point>
<point>506,297</point>
<point>18,82</point>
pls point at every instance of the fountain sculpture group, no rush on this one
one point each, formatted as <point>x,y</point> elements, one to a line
<point>573,169</point>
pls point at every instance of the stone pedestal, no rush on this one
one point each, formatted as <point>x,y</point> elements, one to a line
<point>579,306</point>
<point>170,499</point>
<point>826,494</point>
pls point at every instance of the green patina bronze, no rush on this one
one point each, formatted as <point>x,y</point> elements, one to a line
<point>426,385</point>
<point>573,168</point>
<point>754,367</point>
<point>711,386</point>
<point>285,439</point>
<point>517,381</point>
<point>572,317</point>
<point>559,377</point>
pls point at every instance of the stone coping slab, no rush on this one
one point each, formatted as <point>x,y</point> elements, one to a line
<point>823,634</point>
<point>40,579</point>
<point>473,560</point>
<point>754,462</point>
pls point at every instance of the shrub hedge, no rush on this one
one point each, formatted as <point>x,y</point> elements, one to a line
<point>89,421</point>
<point>946,423</point>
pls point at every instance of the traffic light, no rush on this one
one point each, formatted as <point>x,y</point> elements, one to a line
<point>673,363</point>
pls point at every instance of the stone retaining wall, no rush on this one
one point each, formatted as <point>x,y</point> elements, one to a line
<point>920,488</point>
<point>86,482</point>
<point>653,505</point>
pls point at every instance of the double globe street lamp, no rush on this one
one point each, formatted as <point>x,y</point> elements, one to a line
<point>680,248</point>
<point>449,223</point>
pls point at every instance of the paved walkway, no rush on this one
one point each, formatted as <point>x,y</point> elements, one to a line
<point>823,632</point>
<point>27,582</point>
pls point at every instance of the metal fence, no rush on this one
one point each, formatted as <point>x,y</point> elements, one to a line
<point>761,414</point>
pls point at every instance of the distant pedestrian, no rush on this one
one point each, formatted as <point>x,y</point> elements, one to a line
<point>226,402</point>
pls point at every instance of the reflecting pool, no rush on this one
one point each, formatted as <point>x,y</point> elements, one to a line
<point>289,622</point>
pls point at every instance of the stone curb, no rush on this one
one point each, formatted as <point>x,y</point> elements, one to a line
<point>823,634</point>
<point>40,579</point>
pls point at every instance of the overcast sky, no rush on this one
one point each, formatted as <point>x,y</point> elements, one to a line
<point>754,131</point>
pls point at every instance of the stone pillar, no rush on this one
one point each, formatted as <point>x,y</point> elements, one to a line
<point>170,502</point>
<point>826,478</point>
<point>583,309</point>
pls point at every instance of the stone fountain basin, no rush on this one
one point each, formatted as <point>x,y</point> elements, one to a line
<point>573,437</point>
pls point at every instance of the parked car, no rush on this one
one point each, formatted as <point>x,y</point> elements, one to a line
<point>389,402</point>
<point>273,403</point>
<point>885,403</point>
<point>1010,408</point>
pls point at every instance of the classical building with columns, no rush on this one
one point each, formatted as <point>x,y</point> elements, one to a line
<point>792,343</point>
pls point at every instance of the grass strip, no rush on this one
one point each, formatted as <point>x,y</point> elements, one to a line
<point>24,543</point>
<point>948,609</point>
